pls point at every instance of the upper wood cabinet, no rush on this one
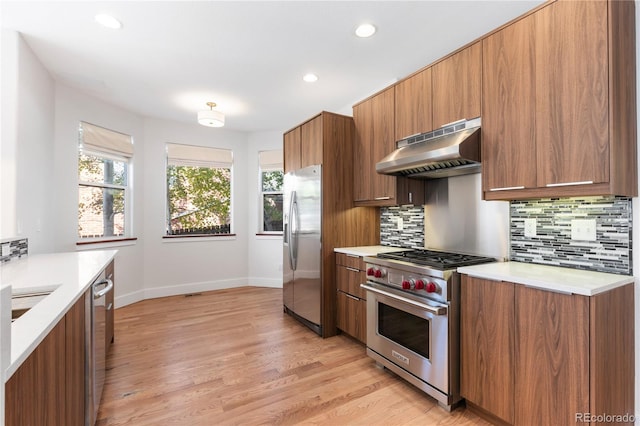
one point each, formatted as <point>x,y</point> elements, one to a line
<point>303,145</point>
<point>311,142</point>
<point>375,138</point>
<point>559,110</point>
<point>292,150</point>
<point>508,105</point>
<point>457,85</point>
<point>413,105</point>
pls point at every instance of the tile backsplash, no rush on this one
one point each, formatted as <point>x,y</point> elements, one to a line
<point>17,248</point>
<point>412,223</point>
<point>611,252</point>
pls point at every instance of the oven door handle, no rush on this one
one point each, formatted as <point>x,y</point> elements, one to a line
<point>432,309</point>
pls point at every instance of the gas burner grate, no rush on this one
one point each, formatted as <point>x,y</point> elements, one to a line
<point>436,259</point>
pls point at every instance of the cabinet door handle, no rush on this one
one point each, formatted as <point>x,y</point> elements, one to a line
<point>382,198</point>
<point>110,306</point>
<point>351,297</point>
<point>507,188</point>
<point>584,182</point>
<point>353,255</point>
<point>352,269</point>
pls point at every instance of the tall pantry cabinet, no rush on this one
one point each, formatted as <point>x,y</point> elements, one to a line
<point>327,139</point>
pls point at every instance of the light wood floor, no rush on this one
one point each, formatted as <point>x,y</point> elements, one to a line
<point>233,357</point>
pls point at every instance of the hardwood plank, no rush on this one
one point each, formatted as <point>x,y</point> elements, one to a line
<point>232,357</point>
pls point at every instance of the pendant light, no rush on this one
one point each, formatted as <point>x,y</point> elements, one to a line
<point>210,117</point>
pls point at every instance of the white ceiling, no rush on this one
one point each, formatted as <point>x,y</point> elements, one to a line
<point>171,57</point>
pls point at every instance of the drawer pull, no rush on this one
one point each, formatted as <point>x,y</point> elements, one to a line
<point>507,188</point>
<point>584,182</point>
<point>353,255</point>
<point>352,269</point>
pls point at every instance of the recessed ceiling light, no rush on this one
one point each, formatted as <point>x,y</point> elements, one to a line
<point>108,21</point>
<point>365,30</point>
<point>310,78</point>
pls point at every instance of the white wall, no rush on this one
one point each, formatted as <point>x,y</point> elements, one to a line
<point>8,132</point>
<point>27,145</point>
<point>264,252</point>
<point>72,107</point>
<point>176,266</point>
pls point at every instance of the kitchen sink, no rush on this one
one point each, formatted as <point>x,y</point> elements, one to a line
<point>22,302</point>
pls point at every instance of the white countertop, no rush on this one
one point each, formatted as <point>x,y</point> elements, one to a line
<point>72,272</point>
<point>367,250</point>
<point>553,278</point>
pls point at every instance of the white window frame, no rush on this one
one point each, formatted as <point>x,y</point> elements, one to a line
<point>231,234</point>
<point>128,197</point>
<point>261,193</point>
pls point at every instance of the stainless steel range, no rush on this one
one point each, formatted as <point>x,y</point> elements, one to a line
<point>413,318</point>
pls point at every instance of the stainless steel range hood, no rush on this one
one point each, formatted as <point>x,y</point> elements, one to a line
<point>452,150</point>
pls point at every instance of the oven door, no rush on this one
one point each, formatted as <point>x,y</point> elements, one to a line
<point>410,332</point>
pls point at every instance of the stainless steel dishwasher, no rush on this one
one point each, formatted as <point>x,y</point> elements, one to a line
<point>95,366</point>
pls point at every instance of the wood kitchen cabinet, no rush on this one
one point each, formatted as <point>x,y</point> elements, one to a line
<point>487,343</point>
<point>413,105</point>
<point>292,150</point>
<point>49,387</point>
<point>457,86</point>
<point>559,109</point>
<point>375,138</point>
<point>328,139</point>
<point>351,299</point>
<point>532,357</point>
<point>303,145</point>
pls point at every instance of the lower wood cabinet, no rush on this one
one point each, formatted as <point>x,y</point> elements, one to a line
<point>534,357</point>
<point>351,311</point>
<point>49,387</point>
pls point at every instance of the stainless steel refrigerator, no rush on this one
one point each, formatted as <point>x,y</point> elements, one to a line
<point>302,208</point>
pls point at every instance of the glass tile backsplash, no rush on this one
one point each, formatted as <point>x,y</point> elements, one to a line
<point>13,249</point>
<point>553,245</point>
<point>402,226</point>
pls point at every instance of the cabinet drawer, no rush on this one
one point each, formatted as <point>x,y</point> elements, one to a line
<point>350,260</point>
<point>352,316</point>
<point>348,279</point>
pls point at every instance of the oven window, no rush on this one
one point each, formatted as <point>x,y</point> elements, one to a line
<point>405,329</point>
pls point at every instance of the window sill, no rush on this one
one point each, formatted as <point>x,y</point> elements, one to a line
<point>197,237</point>
<point>262,236</point>
<point>107,243</point>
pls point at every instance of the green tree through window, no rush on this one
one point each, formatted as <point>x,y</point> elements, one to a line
<point>198,190</point>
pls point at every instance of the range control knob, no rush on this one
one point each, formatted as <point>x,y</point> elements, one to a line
<point>379,273</point>
<point>406,284</point>
<point>432,288</point>
<point>419,285</point>
<point>370,272</point>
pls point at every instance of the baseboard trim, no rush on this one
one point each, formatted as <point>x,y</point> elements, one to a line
<point>180,289</point>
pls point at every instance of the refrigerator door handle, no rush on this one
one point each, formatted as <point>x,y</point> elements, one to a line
<point>293,230</point>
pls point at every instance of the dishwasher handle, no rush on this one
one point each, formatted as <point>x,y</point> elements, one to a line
<point>107,289</point>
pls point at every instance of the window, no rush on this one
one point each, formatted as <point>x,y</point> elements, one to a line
<point>198,190</point>
<point>103,182</point>
<point>271,180</point>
